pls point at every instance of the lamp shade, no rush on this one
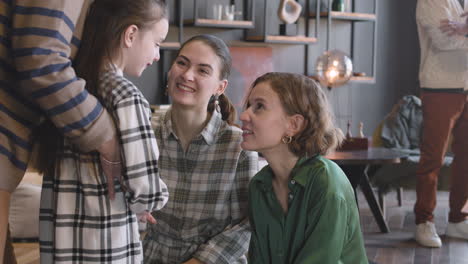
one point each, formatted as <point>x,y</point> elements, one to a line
<point>333,68</point>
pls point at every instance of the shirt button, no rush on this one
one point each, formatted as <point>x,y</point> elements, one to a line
<point>291,196</point>
<point>293,182</point>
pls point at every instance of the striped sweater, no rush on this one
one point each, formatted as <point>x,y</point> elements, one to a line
<point>38,40</point>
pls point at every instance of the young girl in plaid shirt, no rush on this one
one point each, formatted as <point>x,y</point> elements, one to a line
<point>206,171</point>
<point>78,221</point>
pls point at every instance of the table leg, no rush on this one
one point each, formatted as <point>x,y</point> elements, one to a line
<point>381,196</point>
<point>354,174</point>
<point>358,177</point>
<point>372,201</point>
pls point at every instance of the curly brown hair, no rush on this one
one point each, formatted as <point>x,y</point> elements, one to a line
<point>301,95</point>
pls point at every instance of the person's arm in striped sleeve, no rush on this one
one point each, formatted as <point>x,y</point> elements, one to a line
<point>42,39</point>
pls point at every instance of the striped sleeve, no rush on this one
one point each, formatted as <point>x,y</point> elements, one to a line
<point>42,38</point>
<point>144,189</point>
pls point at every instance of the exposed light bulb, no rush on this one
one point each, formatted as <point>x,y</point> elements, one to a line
<point>333,68</point>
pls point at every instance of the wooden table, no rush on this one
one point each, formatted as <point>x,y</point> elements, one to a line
<point>356,164</point>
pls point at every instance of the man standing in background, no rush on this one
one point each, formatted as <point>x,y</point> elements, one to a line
<point>443,77</point>
<point>37,40</point>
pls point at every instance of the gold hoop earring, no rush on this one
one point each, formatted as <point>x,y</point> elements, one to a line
<point>286,139</point>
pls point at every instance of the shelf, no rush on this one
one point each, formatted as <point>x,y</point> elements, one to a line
<point>202,22</point>
<point>362,79</point>
<point>348,16</point>
<point>283,39</point>
<point>170,45</point>
<point>354,79</point>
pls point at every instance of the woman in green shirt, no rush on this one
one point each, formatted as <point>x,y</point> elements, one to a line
<point>302,207</point>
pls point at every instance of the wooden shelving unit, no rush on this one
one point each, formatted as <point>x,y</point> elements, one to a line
<point>246,22</point>
<point>260,24</point>
<point>266,34</point>
<point>352,17</point>
<point>349,16</point>
<point>354,79</point>
<point>275,39</point>
<point>364,79</point>
<point>204,22</point>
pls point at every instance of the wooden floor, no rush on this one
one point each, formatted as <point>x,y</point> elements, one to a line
<point>399,246</point>
<point>396,247</point>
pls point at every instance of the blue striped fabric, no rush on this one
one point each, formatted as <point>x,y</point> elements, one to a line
<point>51,89</point>
<point>5,41</point>
<point>7,1</point>
<point>17,140</point>
<point>6,66</point>
<point>25,75</point>
<point>36,74</point>
<point>78,99</point>
<point>16,117</point>
<point>5,21</point>
<point>83,122</point>
<point>75,41</point>
<point>11,157</point>
<point>12,92</point>
<point>35,51</point>
<point>42,32</point>
<point>25,10</point>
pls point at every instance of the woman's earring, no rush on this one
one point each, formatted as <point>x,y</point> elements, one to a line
<point>286,139</point>
<point>216,102</point>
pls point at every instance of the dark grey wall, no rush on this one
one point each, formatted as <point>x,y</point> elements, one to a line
<point>397,64</point>
<point>396,71</point>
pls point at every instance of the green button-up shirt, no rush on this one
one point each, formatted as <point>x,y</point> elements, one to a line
<point>322,222</point>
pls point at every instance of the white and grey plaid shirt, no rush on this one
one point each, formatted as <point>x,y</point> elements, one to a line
<point>78,222</point>
<point>206,215</point>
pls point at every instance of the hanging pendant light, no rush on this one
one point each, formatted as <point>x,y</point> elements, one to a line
<point>333,68</point>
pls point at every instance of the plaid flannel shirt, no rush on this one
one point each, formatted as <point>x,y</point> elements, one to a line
<point>78,221</point>
<point>206,216</point>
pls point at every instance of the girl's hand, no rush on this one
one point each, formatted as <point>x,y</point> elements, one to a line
<point>111,164</point>
<point>146,217</point>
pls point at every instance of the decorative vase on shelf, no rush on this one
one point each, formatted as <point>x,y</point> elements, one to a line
<point>339,5</point>
<point>289,11</point>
